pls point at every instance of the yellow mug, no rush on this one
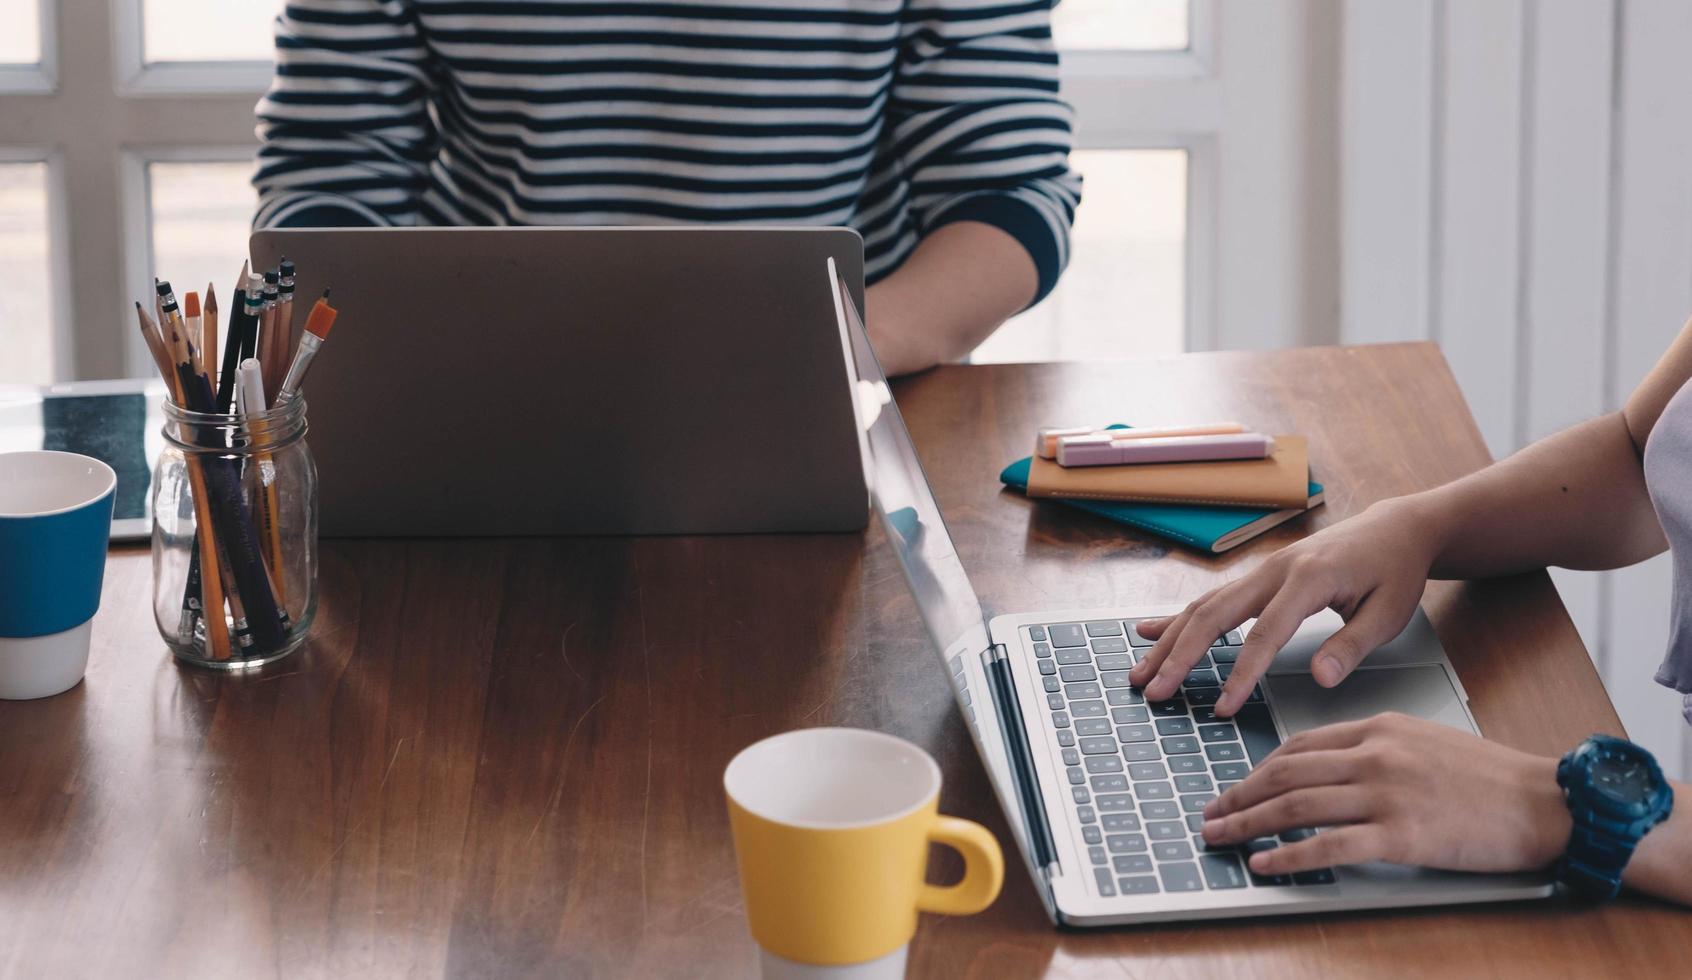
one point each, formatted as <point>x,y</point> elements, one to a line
<point>832,828</point>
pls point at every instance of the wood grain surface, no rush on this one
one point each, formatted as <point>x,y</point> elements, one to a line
<point>503,758</point>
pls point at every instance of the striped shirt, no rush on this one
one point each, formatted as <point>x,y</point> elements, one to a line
<point>893,117</point>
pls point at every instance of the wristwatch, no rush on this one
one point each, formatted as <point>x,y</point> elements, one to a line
<point>1616,793</point>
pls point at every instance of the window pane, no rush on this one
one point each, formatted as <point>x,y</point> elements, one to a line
<point>26,324</point>
<point>206,30</point>
<point>20,32</point>
<point>201,213</point>
<point>1121,25</point>
<point>1124,294</point>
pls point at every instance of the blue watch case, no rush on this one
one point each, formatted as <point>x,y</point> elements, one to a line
<point>1616,793</point>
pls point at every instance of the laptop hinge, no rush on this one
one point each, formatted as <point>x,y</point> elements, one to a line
<point>997,665</point>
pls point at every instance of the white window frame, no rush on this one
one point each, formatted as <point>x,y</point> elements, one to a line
<point>42,77</point>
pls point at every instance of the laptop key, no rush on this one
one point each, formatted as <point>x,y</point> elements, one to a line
<point>1048,667</point>
<point>1222,871</point>
<point>1074,656</point>
<point>1076,776</point>
<point>1217,733</point>
<point>1195,802</point>
<point>1134,714</point>
<point>1087,689</point>
<point>1114,678</point>
<point>1203,662</point>
<point>1110,784</point>
<point>1138,885</point>
<point>1160,810</point>
<point>1234,638</point>
<point>1223,670</point>
<point>1079,672</point>
<point>1115,803</point>
<point>1092,726</point>
<point>1036,632</point>
<point>1132,864</point>
<point>1180,745</point>
<point>1141,752</point>
<point>1120,696</point>
<point>1092,835</point>
<point>1103,763</point>
<point>1097,855</point>
<point>1195,822</point>
<point>1224,751</point>
<point>1203,695</point>
<point>1086,814</point>
<point>1113,661</point>
<point>1204,714</point>
<point>1186,763</point>
<point>1230,771</point>
<point>1111,644</point>
<point>1147,770</point>
<point>1087,709</point>
<point>1134,636</point>
<point>1134,733</point>
<point>1107,885</point>
<point>1257,731</point>
<point>1125,843</point>
<point>1172,708</point>
<point>1107,627</point>
<point>1067,635</point>
<point>1320,876</point>
<point>1166,830</point>
<point>1060,719</point>
<point>1180,877</point>
<point>1225,655</point>
<point>1054,702</point>
<point>1042,649</point>
<point>1154,791</point>
<point>1224,787</point>
<point>1297,834</point>
<point>1071,757</point>
<point>1066,738</point>
<point>1174,726</point>
<point>1202,678</point>
<point>1051,685</point>
<point>1172,851</point>
<point>1080,795</point>
<point>1197,783</point>
<point>1119,823</point>
<point>1099,745</point>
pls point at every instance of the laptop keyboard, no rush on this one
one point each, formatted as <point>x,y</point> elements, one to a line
<point>1140,774</point>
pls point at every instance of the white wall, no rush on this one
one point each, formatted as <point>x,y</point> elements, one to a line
<point>1516,184</point>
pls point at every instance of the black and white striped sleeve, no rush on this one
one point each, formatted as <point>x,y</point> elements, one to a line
<point>345,133</point>
<point>979,128</point>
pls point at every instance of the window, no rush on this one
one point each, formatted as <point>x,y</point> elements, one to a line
<point>1121,25</point>
<point>200,217</point>
<point>20,32</point>
<point>206,30</point>
<point>26,334</point>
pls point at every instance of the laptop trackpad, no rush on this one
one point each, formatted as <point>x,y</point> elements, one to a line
<point>1423,691</point>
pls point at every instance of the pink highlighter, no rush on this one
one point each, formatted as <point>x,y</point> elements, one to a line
<point>1104,450</point>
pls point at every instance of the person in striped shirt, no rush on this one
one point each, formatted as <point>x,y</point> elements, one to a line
<point>933,127</point>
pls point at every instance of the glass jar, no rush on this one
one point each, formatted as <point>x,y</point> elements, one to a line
<point>251,480</point>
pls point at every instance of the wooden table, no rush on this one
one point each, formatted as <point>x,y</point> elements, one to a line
<point>503,758</point>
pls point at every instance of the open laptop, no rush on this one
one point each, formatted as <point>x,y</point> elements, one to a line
<point>1102,790</point>
<point>546,381</point>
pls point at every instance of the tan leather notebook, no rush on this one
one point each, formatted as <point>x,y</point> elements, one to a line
<point>1280,481</point>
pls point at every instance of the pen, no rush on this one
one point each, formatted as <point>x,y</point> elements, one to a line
<point>1045,444</point>
<point>1102,450</point>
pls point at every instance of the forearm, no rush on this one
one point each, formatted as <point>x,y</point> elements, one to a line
<point>1662,865</point>
<point>963,280</point>
<point>1576,499</point>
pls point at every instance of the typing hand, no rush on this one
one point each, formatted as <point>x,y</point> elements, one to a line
<point>1400,789</point>
<point>1371,569</point>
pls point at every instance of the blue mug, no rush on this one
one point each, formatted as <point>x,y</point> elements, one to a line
<point>55,520</point>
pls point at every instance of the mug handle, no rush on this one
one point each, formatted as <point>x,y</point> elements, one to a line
<point>984,869</point>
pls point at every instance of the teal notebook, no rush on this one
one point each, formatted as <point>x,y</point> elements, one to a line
<point>1212,529</point>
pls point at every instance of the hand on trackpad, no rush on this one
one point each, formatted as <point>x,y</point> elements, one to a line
<point>1423,691</point>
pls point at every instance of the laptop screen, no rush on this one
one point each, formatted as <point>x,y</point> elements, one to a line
<point>947,603</point>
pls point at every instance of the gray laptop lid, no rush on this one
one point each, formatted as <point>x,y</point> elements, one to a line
<point>947,603</point>
<point>539,381</point>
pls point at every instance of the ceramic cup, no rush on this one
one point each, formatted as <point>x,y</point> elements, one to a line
<point>55,520</point>
<point>832,828</point>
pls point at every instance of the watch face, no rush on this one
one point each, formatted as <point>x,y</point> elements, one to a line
<point>1622,779</point>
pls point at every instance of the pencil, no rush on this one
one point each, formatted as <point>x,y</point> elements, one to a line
<point>271,331</point>
<point>232,344</point>
<point>209,343</point>
<point>211,579</point>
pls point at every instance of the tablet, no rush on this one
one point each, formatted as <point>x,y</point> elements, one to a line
<point>118,422</point>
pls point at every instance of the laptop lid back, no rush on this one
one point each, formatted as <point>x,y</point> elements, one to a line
<point>548,381</point>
